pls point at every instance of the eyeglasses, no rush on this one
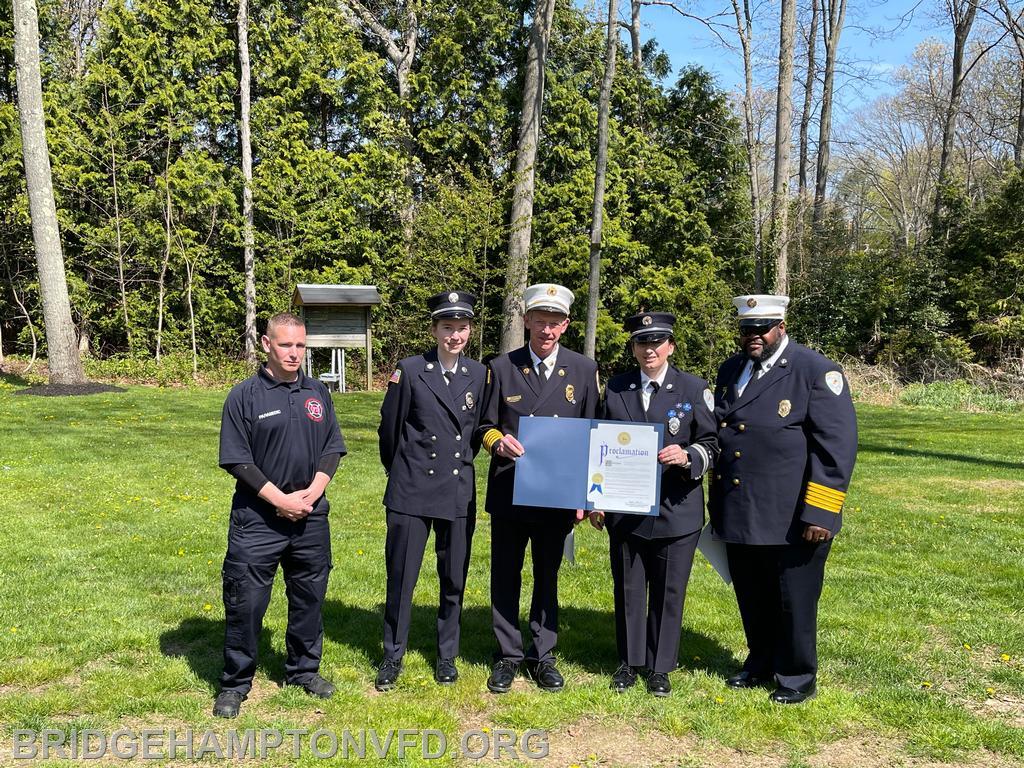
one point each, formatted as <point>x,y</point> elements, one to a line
<point>759,330</point>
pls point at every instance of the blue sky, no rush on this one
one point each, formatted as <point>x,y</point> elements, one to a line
<point>879,36</point>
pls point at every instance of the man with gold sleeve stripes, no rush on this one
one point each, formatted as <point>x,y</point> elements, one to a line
<point>788,437</point>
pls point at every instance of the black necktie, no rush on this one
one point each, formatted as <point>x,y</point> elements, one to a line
<point>655,386</point>
<point>448,377</point>
<point>543,372</point>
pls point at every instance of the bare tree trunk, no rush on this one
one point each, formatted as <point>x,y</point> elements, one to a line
<point>744,30</point>
<point>162,283</point>
<point>248,256</point>
<point>189,272</point>
<point>597,217</point>
<point>962,14</point>
<point>810,81</point>
<point>61,341</point>
<point>521,218</point>
<point>1016,30</point>
<point>783,128</point>
<point>401,59</point>
<point>833,16</point>
<point>636,49</point>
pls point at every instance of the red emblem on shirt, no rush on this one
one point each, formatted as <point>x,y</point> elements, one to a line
<point>315,409</point>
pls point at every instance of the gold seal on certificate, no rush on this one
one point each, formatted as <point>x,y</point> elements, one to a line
<point>625,457</point>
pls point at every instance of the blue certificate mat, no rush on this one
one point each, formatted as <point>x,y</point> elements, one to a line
<point>571,464</point>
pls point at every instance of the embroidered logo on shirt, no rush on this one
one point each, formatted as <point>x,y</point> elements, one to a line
<point>268,414</point>
<point>315,409</point>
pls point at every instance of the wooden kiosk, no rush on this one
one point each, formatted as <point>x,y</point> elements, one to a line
<point>337,317</point>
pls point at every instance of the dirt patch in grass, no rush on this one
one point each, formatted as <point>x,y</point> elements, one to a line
<point>67,390</point>
<point>592,743</point>
<point>1006,709</point>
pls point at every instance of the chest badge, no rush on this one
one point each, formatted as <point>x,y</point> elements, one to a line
<point>570,393</point>
<point>673,425</point>
<point>513,398</point>
<point>784,408</point>
<point>315,409</point>
<point>469,400</point>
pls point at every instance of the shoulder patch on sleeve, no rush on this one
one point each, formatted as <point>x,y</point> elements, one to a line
<point>396,376</point>
<point>709,400</point>
<point>834,381</point>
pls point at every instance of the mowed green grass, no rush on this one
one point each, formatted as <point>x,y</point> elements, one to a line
<point>113,519</point>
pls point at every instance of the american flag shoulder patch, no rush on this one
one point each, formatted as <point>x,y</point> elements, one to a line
<point>396,376</point>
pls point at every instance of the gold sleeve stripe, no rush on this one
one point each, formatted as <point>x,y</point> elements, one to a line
<point>824,490</point>
<point>824,498</point>
<point>490,438</point>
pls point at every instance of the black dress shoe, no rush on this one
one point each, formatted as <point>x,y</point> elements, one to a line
<point>445,671</point>
<point>546,675</point>
<point>623,679</point>
<point>658,684</point>
<point>387,674</point>
<point>319,687</point>
<point>503,673</point>
<point>783,695</point>
<point>745,679</point>
<point>228,704</point>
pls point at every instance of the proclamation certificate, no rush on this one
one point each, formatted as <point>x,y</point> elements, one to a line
<point>589,464</point>
<point>623,470</point>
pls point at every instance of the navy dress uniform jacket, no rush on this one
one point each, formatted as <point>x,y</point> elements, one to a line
<point>688,398</point>
<point>514,391</point>
<point>428,437</point>
<point>788,447</point>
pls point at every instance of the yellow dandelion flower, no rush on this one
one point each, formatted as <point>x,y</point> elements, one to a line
<point>967,646</point>
<point>1004,656</point>
<point>485,729</point>
<point>359,551</point>
<point>591,756</point>
<point>990,691</point>
<point>181,553</point>
<point>14,629</point>
<point>719,700</point>
<point>207,607</point>
<point>926,684</point>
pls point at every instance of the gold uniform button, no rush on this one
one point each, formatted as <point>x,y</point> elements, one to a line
<point>723,425</point>
<point>458,455</point>
<point>735,481</point>
<point>434,438</point>
<point>455,471</point>
<point>737,454</point>
<point>718,477</point>
<point>430,471</point>
<point>742,427</point>
<point>433,455</point>
<point>458,437</point>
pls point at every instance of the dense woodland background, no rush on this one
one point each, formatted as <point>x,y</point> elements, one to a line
<point>384,139</point>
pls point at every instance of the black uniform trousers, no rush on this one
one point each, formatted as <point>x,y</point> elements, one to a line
<point>777,589</point>
<point>509,538</point>
<point>650,578</point>
<point>257,544</point>
<point>403,554</point>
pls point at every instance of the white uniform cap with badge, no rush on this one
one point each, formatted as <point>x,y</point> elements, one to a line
<point>548,297</point>
<point>760,308</point>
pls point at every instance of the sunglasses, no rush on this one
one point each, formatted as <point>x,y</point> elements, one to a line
<point>758,330</point>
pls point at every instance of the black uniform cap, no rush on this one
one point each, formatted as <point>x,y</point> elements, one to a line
<point>650,326</point>
<point>452,304</point>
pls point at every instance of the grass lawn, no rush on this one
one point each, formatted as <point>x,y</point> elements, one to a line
<point>113,518</point>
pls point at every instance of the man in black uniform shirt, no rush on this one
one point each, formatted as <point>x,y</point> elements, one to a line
<point>280,439</point>
<point>651,557</point>
<point>427,443</point>
<point>788,439</point>
<point>539,379</point>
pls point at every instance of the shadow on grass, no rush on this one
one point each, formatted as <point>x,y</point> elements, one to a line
<point>200,641</point>
<point>586,637</point>
<point>958,457</point>
<point>7,377</point>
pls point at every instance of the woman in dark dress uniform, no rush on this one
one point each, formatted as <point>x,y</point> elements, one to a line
<point>651,557</point>
<point>428,420</point>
